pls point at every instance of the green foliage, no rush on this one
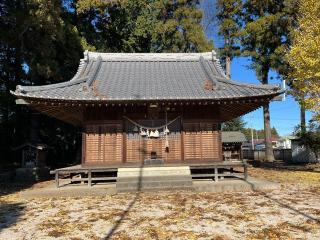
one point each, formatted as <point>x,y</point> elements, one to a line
<point>264,39</point>
<point>311,138</point>
<point>228,15</point>
<point>41,42</point>
<point>259,133</point>
<point>304,58</point>
<point>38,45</point>
<point>143,26</point>
<point>236,124</point>
<point>266,35</point>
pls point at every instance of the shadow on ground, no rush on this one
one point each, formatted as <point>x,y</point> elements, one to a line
<point>14,187</point>
<point>127,210</point>
<point>10,213</point>
<point>286,166</point>
<point>283,205</point>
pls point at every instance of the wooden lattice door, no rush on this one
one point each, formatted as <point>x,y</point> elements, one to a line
<point>103,143</point>
<point>201,142</point>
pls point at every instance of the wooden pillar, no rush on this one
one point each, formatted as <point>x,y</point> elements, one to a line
<point>182,145</point>
<point>57,178</point>
<point>220,143</point>
<point>245,172</point>
<point>83,152</point>
<point>182,139</point>
<point>89,178</point>
<point>124,141</point>
<point>216,174</point>
<point>201,139</point>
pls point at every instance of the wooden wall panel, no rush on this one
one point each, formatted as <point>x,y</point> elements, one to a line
<point>157,146</point>
<point>173,153</point>
<point>134,148</point>
<point>201,142</point>
<point>103,143</point>
<point>92,144</point>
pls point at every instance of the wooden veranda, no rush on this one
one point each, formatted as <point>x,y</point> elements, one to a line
<point>215,171</point>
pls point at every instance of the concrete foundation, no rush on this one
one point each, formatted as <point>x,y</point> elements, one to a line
<point>153,178</point>
<point>235,185</point>
<point>80,190</point>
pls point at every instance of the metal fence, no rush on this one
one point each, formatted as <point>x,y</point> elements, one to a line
<point>279,154</point>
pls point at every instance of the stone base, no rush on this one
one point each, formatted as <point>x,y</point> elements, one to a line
<point>153,178</point>
<point>81,190</point>
<point>235,185</point>
<point>153,162</point>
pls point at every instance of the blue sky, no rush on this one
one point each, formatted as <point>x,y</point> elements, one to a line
<point>285,115</point>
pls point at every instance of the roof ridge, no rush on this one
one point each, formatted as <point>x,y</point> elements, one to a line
<point>81,68</point>
<point>204,64</point>
<point>94,72</point>
<point>217,66</point>
<point>150,56</point>
<point>22,89</point>
<point>263,86</point>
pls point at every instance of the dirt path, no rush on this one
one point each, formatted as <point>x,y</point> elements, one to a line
<point>290,213</point>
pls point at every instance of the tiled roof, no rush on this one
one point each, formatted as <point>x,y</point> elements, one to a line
<point>233,137</point>
<point>147,76</point>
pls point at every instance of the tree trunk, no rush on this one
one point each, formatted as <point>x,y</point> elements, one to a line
<point>267,134</point>
<point>228,67</point>
<point>302,117</point>
<point>228,60</point>
<point>269,157</point>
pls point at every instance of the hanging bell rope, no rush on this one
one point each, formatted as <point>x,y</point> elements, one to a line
<point>152,128</point>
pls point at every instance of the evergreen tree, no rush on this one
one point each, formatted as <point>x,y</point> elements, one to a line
<point>274,132</point>
<point>258,133</point>
<point>263,40</point>
<point>37,46</point>
<point>236,124</point>
<point>228,15</point>
<point>41,42</point>
<point>145,25</point>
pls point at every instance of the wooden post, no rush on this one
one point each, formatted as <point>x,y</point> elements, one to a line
<point>216,174</point>
<point>57,178</point>
<point>245,172</point>
<point>182,145</point>
<point>89,178</point>
<point>124,141</point>
<point>83,153</point>
<point>182,136</point>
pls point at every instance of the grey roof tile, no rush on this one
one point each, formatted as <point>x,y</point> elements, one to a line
<point>233,137</point>
<point>147,77</point>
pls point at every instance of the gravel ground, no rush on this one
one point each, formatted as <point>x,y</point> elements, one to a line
<point>290,213</point>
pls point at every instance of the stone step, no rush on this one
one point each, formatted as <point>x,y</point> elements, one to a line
<point>153,188</point>
<point>154,171</point>
<point>168,183</point>
<point>153,178</point>
<point>147,186</point>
